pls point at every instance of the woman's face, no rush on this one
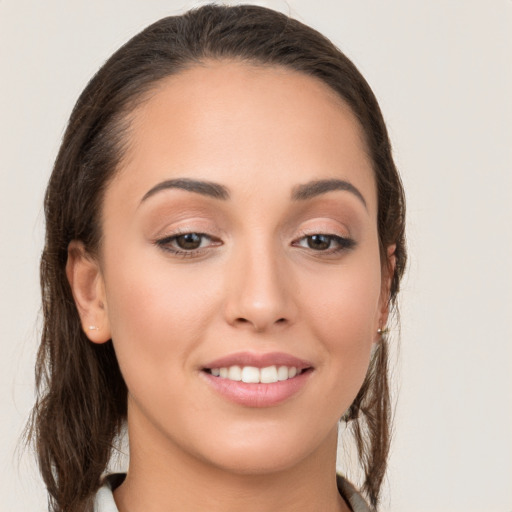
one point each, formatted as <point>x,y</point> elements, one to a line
<point>240,238</point>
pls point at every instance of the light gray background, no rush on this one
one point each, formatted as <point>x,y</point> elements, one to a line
<point>442,70</point>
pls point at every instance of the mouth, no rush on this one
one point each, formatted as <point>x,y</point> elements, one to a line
<point>254,375</point>
<point>257,380</point>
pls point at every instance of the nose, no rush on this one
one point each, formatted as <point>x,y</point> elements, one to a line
<point>260,290</point>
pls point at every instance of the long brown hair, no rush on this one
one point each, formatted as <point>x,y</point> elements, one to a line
<point>81,404</point>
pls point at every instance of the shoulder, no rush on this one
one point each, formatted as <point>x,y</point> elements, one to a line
<point>356,502</point>
<point>104,501</point>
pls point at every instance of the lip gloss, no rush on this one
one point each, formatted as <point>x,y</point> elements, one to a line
<point>257,395</point>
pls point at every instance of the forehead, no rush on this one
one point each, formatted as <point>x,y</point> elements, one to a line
<point>242,125</point>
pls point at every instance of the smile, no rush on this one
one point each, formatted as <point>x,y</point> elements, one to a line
<point>257,380</point>
<point>254,375</point>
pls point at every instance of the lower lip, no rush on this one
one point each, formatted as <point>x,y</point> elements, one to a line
<point>257,395</point>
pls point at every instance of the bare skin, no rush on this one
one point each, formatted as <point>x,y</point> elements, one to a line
<point>280,265</point>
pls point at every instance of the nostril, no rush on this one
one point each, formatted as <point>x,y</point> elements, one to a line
<point>259,326</point>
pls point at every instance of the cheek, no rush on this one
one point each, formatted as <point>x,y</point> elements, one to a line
<point>152,308</point>
<point>347,299</point>
<point>343,312</point>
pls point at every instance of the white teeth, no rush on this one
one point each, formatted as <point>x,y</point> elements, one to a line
<point>250,374</point>
<point>253,375</point>
<point>282,373</point>
<point>235,373</point>
<point>268,375</point>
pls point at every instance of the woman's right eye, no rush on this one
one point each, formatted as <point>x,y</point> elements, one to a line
<point>187,244</point>
<point>189,241</point>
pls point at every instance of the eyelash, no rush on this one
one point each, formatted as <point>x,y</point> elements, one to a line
<point>165,244</point>
<point>343,244</point>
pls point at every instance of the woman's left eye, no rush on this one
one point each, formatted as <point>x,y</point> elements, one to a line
<point>325,243</point>
<point>186,243</point>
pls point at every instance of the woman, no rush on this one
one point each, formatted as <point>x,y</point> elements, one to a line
<point>225,238</point>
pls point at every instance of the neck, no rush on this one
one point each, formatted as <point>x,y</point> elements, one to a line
<point>162,477</point>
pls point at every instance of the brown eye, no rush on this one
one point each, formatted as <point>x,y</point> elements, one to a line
<point>188,245</point>
<point>319,242</point>
<point>325,244</point>
<point>189,241</point>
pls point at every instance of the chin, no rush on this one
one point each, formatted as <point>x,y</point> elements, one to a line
<point>257,461</point>
<point>258,453</point>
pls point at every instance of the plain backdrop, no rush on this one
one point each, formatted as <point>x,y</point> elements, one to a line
<point>442,70</point>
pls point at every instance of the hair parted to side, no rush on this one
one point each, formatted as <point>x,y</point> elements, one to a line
<point>81,404</point>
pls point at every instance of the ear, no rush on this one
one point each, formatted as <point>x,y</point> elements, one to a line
<point>388,271</point>
<point>88,288</point>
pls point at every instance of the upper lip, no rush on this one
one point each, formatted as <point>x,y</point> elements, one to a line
<point>259,360</point>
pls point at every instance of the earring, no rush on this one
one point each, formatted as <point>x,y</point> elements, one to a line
<point>382,331</point>
<point>93,328</point>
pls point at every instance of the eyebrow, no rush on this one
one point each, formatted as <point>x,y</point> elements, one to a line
<point>205,188</point>
<point>215,190</point>
<point>319,187</point>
